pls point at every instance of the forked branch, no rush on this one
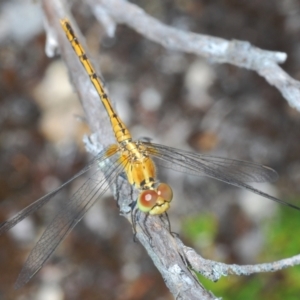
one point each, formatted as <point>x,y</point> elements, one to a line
<point>160,246</point>
<point>238,53</point>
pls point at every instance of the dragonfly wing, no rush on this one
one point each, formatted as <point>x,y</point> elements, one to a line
<point>199,165</point>
<point>5,226</point>
<point>194,164</point>
<point>71,213</point>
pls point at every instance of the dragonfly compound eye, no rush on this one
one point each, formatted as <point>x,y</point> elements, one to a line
<point>164,191</point>
<point>147,200</point>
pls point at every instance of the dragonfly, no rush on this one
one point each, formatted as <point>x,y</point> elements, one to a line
<point>135,159</point>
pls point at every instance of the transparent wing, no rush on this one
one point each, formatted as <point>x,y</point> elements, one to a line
<point>71,213</point>
<point>5,226</point>
<point>201,164</point>
<point>230,171</point>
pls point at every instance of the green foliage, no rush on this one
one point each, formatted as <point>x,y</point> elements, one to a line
<point>282,240</point>
<point>282,235</point>
<point>201,230</point>
<point>199,225</point>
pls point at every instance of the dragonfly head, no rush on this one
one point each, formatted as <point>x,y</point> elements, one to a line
<point>155,201</point>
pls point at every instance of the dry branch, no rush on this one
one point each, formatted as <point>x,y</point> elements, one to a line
<point>238,53</point>
<point>215,270</point>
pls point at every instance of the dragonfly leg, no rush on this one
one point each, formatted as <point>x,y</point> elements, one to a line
<point>131,196</point>
<point>118,194</point>
<point>134,219</point>
<point>145,229</point>
<point>168,221</point>
<point>134,212</point>
<point>119,187</point>
<point>169,224</point>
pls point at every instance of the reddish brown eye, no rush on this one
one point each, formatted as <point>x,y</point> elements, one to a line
<point>147,200</point>
<point>165,191</point>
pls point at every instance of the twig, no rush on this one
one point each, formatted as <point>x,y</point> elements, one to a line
<point>239,53</point>
<point>161,246</point>
<point>215,270</point>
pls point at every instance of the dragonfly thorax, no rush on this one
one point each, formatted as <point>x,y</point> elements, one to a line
<point>140,170</point>
<point>138,166</point>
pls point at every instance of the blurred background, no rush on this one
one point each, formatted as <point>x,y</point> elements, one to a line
<point>176,99</point>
